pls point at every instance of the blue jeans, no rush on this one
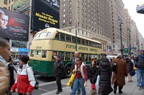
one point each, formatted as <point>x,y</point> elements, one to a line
<point>140,77</point>
<point>78,83</point>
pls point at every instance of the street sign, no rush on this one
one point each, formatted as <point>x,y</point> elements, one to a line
<point>125,50</point>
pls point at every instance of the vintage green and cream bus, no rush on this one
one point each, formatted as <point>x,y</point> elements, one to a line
<point>51,41</point>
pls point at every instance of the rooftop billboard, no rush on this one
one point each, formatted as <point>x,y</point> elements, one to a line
<point>45,13</point>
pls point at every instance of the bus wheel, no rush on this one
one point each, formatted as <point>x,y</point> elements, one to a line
<point>68,71</point>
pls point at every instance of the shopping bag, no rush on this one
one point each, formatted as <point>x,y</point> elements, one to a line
<point>135,68</point>
<point>98,80</point>
<point>70,82</point>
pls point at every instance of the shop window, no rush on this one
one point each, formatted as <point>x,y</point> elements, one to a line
<point>44,54</point>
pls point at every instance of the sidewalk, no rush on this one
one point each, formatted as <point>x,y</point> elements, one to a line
<point>129,89</point>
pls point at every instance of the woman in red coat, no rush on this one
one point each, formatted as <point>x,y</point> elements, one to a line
<point>25,81</point>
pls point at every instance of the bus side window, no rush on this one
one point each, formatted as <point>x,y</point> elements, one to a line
<point>73,39</point>
<point>49,34</point>
<point>32,53</point>
<point>68,56</point>
<point>61,54</point>
<point>68,38</point>
<point>44,54</point>
<point>38,52</point>
<point>62,37</point>
<point>57,36</point>
<point>53,54</point>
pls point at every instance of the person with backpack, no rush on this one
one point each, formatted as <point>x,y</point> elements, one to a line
<point>25,81</point>
<point>139,63</point>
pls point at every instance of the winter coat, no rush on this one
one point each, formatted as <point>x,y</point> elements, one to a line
<point>25,80</point>
<point>129,66</point>
<point>4,77</point>
<point>58,68</point>
<point>105,78</point>
<point>139,61</point>
<point>93,72</point>
<point>121,73</point>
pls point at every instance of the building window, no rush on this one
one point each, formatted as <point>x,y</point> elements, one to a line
<point>63,15</point>
<point>63,21</point>
<point>70,19</point>
<point>70,2</point>
<point>63,0</point>
<point>5,2</point>
<point>63,10</point>
<point>64,5</point>
<point>70,13</point>
<point>70,7</point>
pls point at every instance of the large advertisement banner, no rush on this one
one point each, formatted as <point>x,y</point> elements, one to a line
<point>45,13</point>
<point>13,25</point>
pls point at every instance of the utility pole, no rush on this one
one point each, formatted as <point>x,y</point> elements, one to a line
<point>129,42</point>
<point>120,23</point>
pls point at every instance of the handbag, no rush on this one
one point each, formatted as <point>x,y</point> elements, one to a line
<point>71,80</point>
<point>132,72</point>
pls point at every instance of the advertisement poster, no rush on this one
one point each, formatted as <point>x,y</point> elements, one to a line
<point>45,13</point>
<point>13,25</point>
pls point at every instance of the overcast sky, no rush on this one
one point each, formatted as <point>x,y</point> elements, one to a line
<point>138,18</point>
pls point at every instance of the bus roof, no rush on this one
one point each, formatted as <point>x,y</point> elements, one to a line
<point>55,30</point>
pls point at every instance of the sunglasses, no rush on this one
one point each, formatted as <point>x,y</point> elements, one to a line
<point>77,60</point>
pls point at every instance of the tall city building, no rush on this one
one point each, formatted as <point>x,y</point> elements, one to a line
<point>118,14</point>
<point>90,18</point>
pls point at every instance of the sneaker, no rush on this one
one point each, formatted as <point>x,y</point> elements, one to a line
<point>78,92</point>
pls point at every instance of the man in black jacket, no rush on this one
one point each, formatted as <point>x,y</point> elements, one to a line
<point>58,70</point>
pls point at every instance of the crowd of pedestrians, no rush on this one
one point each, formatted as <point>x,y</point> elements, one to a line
<point>99,71</point>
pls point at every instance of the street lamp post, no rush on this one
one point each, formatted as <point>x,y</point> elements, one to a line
<point>129,42</point>
<point>120,22</point>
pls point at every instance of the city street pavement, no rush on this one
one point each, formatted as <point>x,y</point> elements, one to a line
<point>129,89</point>
<point>49,88</point>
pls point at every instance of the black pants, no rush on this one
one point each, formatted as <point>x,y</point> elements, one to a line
<point>115,87</point>
<point>58,82</point>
